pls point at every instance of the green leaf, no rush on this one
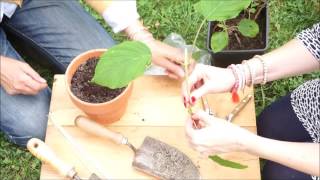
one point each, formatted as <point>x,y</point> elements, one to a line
<point>248,28</point>
<point>227,163</point>
<point>219,40</point>
<point>221,10</point>
<point>121,64</point>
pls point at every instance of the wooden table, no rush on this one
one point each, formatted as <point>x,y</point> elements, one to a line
<point>155,109</point>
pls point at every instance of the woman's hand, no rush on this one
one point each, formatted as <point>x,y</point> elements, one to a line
<point>206,79</point>
<point>215,135</point>
<point>19,78</point>
<point>167,57</point>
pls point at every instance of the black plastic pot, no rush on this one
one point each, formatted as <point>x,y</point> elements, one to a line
<point>226,57</point>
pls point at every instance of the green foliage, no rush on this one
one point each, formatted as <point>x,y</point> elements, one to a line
<point>221,10</point>
<point>219,40</point>
<point>248,28</point>
<point>17,163</point>
<point>121,64</point>
<point>165,16</point>
<point>227,163</point>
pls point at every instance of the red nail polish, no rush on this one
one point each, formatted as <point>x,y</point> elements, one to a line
<point>193,99</point>
<point>184,99</point>
<point>185,105</point>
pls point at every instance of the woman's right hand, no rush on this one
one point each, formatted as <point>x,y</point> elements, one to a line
<point>206,79</point>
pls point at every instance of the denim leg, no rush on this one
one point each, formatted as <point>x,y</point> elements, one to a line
<point>22,117</point>
<point>61,28</point>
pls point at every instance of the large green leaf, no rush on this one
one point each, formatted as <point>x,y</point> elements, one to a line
<point>227,163</point>
<point>248,28</point>
<point>219,40</point>
<point>121,64</point>
<point>221,10</point>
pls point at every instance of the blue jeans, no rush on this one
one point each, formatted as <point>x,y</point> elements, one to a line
<point>59,29</point>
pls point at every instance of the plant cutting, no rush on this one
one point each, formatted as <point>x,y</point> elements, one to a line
<point>100,81</point>
<point>220,10</point>
<point>237,29</point>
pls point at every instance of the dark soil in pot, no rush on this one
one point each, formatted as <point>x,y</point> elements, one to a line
<point>238,41</point>
<point>87,91</point>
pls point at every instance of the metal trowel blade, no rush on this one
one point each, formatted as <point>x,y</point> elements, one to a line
<point>164,161</point>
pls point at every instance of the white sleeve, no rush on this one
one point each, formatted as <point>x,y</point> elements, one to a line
<point>120,14</point>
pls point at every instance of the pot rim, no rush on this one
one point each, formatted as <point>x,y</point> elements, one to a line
<point>129,86</point>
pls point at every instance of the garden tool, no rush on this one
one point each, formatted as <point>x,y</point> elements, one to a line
<point>238,108</point>
<point>81,154</point>
<point>43,152</point>
<point>154,157</point>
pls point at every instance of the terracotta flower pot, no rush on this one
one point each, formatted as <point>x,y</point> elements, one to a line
<point>106,112</point>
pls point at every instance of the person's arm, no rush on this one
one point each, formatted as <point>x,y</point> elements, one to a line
<point>18,77</point>
<point>300,156</point>
<point>291,59</point>
<point>298,56</point>
<point>212,138</point>
<point>122,16</point>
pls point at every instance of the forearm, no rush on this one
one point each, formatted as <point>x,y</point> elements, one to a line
<point>289,60</point>
<point>300,156</point>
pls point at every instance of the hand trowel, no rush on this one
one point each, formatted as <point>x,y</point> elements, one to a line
<point>154,157</point>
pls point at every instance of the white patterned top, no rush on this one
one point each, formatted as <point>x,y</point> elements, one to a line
<point>305,100</point>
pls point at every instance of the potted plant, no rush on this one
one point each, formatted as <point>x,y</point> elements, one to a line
<point>237,30</point>
<point>99,81</point>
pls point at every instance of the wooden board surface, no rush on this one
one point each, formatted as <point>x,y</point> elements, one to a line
<point>155,109</point>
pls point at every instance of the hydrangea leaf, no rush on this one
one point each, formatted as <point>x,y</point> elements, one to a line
<point>248,28</point>
<point>121,64</point>
<point>219,40</point>
<point>221,10</point>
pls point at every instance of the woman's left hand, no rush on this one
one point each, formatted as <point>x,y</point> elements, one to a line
<point>215,135</point>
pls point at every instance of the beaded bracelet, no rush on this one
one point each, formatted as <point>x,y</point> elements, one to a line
<point>264,67</point>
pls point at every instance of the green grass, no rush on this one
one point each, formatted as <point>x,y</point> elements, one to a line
<point>287,17</point>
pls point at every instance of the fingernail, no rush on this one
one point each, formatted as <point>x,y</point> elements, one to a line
<point>184,99</point>
<point>193,99</point>
<point>185,105</point>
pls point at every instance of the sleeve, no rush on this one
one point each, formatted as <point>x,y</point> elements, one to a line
<point>120,14</point>
<point>311,40</point>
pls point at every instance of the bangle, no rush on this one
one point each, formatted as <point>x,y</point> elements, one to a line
<point>264,68</point>
<point>250,81</point>
<point>234,89</point>
<point>242,75</point>
<point>135,31</point>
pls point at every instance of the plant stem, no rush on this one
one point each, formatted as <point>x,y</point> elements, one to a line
<point>198,32</point>
<point>186,70</point>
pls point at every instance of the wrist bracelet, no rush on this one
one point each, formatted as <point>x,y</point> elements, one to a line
<point>137,30</point>
<point>264,68</point>
<point>234,89</point>
<point>250,81</point>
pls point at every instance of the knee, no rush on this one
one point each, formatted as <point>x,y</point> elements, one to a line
<point>265,122</point>
<point>28,129</point>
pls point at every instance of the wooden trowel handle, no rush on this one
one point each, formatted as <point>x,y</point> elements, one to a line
<point>43,152</point>
<point>94,128</point>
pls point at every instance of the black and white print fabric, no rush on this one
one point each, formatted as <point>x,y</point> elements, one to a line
<point>305,100</point>
<point>311,39</point>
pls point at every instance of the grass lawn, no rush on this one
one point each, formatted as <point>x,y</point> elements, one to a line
<point>287,17</point>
